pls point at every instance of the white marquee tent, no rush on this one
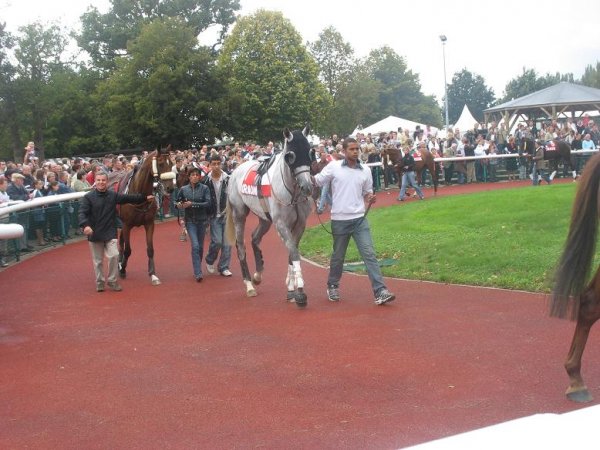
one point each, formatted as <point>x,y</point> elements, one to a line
<point>466,121</point>
<point>391,123</point>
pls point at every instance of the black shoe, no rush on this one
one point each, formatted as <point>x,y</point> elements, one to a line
<point>333,293</point>
<point>100,286</point>
<point>199,279</point>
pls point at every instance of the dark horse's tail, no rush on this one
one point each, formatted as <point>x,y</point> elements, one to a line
<point>574,265</point>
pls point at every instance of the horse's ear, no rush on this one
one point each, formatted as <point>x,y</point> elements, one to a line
<point>287,134</point>
<point>306,130</point>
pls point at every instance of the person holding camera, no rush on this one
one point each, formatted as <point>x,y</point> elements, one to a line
<point>194,199</point>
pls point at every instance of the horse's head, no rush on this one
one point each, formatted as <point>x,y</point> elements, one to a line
<point>162,172</point>
<point>296,153</point>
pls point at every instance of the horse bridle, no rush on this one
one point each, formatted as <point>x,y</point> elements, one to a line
<point>295,198</point>
<point>158,178</point>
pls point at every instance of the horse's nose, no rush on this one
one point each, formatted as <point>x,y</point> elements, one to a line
<point>307,189</point>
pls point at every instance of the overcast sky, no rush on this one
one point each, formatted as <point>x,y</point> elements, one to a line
<point>495,40</point>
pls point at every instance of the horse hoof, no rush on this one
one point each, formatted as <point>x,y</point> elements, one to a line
<point>155,280</point>
<point>251,293</point>
<point>257,278</point>
<point>580,396</point>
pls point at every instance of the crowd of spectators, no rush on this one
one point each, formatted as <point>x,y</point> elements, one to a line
<point>34,178</point>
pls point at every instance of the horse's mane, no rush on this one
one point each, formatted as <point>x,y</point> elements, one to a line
<point>142,178</point>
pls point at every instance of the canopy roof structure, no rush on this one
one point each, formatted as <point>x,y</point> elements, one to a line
<point>392,123</point>
<point>466,121</point>
<point>559,101</point>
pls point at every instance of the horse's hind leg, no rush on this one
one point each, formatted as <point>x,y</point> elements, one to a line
<point>239,219</point>
<point>257,235</point>
<point>149,227</point>
<point>589,313</point>
<point>124,250</point>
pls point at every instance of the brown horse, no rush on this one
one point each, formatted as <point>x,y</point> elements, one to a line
<point>572,296</point>
<point>554,151</point>
<point>152,176</point>
<point>423,160</point>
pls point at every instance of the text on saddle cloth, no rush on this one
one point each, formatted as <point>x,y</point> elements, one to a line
<point>256,185</point>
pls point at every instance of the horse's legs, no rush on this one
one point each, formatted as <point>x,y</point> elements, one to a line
<point>589,313</point>
<point>257,235</point>
<point>294,270</point>
<point>124,250</point>
<point>149,227</point>
<point>239,220</point>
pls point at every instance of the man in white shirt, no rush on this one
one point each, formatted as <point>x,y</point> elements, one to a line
<point>352,187</point>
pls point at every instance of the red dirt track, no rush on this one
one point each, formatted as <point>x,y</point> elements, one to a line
<point>188,365</point>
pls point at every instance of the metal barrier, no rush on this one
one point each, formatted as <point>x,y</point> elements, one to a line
<point>41,223</point>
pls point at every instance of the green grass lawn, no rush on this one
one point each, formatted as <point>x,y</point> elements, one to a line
<point>507,238</point>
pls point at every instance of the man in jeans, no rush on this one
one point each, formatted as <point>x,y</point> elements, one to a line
<point>217,182</point>
<point>351,186</point>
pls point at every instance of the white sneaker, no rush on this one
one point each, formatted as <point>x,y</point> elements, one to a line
<point>210,268</point>
<point>226,273</point>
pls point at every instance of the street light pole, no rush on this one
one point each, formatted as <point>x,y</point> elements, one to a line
<point>444,39</point>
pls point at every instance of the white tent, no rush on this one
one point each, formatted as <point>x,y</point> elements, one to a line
<point>466,121</point>
<point>391,123</point>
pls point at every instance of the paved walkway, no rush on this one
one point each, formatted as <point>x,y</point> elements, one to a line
<point>187,365</point>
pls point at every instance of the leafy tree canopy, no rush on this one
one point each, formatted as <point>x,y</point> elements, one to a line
<point>529,81</point>
<point>272,79</point>
<point>165,91</point>
<point>105,36</point>
<point>469,89</point>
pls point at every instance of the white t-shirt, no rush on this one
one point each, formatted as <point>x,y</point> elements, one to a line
<point>348,188</point>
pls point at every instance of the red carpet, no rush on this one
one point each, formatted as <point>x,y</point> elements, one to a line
<point>188,365</point>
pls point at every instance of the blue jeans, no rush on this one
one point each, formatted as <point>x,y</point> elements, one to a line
<point>325,198</point>
<point>196,233</point>
<point>217,242</point>
<point>357,229</point>
<point>408,178</point>
<point>541,173</point>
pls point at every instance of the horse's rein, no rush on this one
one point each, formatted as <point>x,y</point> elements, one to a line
<point>331,232</point>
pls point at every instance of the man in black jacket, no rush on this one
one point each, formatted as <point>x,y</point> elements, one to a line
<point>194,199</point>
<point>217,182</point>
<point>97,217</point>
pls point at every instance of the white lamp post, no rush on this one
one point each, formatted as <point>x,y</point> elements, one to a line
<point>444,39</point>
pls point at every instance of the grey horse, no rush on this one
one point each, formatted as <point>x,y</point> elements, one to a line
<point>277,191</point>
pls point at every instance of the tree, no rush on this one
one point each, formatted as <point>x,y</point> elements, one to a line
<point>529,81</point>
<point>106,36</point>
<point>591,76</point>
<point>468,89</point>
<point>334,58</point>
<point>9,125</point>
<point>165,91</point>
<point>38,53</point>
<point>400,90</point>
<point>272,79</point>
<point>357,100</point>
